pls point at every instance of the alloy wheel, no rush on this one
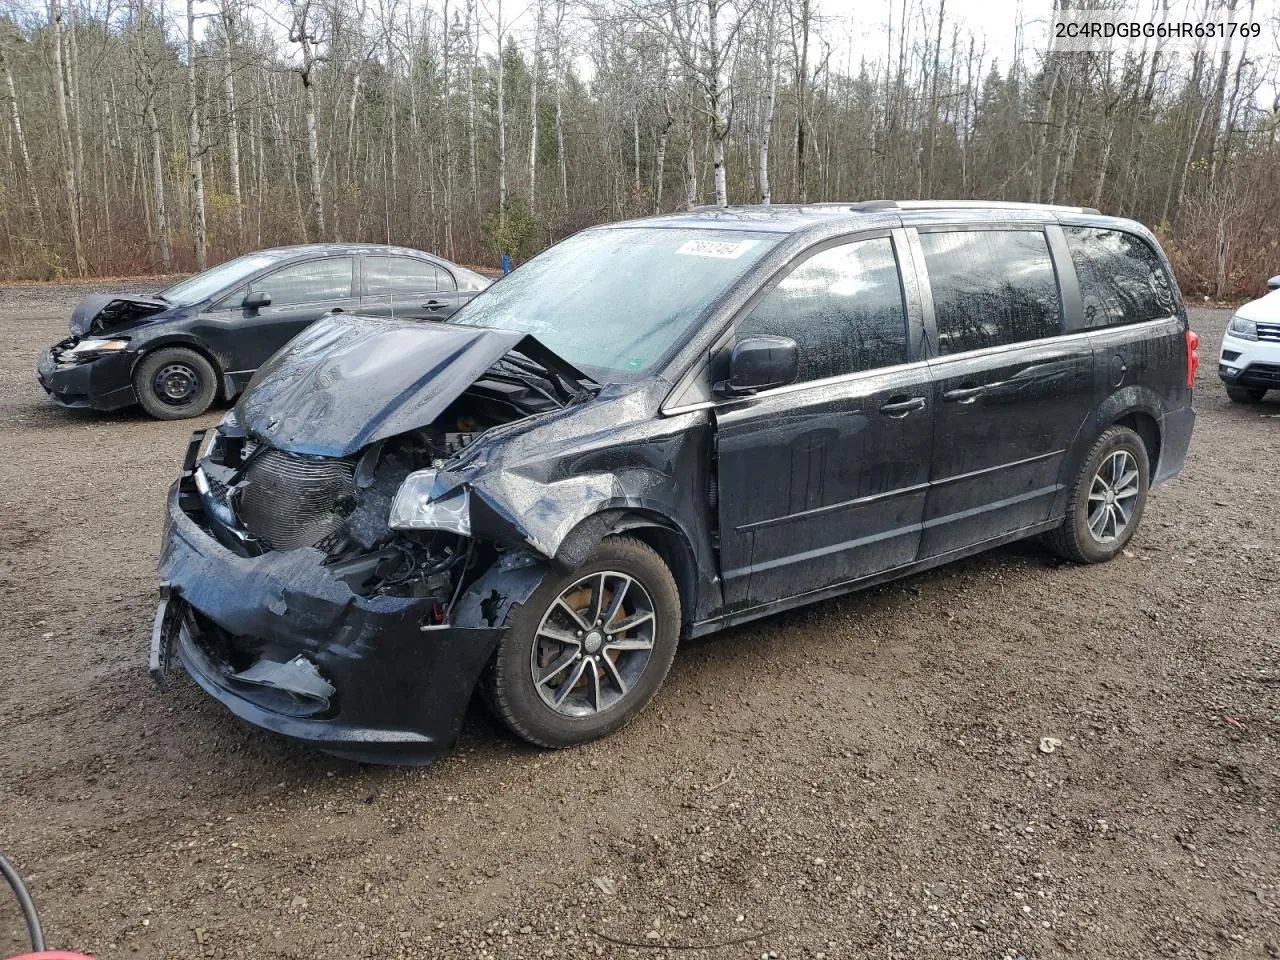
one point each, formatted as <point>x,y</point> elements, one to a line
<point>1112,496</point>
<point>593,644</point>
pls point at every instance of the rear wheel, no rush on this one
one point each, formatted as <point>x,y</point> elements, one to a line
<point>588,650</point>
<point>1246,394</point>
<point>1107,499</point>
<point>174,382</point>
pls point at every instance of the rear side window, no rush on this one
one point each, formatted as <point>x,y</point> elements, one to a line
<point>843,307</point>
<point>393,276</point>
<point>310,282</point>
<point>991,287</point>
<point>1121,278</point>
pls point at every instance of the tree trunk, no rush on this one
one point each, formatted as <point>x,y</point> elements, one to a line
<point>766,129</point>
<point>73,101</point>
<point>233,126</point>
<point>302,35</point>
<point>473,39</point>
<point>23,152</point>
<point>195,151</point>
<point>561,160</point>
<point>800,45</point>
<point>157,175</point>
<point>502,119</point>
<point>691,168</point>
<point>64,135</point>
<point>446,145</point>
<point>533,104</point>
<point>659,165</point>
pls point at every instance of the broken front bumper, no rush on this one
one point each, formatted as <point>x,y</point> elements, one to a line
<point>102,384</point>
<point>364,677</point>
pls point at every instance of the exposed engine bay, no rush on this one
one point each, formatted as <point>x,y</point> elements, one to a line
<point>100,313</point>
<point>259,498</point>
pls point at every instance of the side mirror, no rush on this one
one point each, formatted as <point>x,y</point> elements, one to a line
<point>256,300</point>
<point>1274,283</point>
<point>759,363</point>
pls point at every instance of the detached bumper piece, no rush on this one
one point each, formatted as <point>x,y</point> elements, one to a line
<point>287,646</point>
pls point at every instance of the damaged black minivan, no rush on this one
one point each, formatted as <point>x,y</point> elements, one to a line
<point>651,431</point>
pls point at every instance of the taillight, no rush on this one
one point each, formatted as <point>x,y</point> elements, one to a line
<point>1193,358</point>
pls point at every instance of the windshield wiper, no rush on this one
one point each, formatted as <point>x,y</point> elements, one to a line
<point>532,378</point>
<point>569,387</point>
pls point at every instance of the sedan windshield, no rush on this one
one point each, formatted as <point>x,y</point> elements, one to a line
<point>613,302</point>
<point>216,279</point>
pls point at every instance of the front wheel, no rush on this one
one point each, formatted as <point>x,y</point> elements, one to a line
<point>173,383</point>
<point>1107,499</point>
<point>1245,394</point>
<point>588,650</point>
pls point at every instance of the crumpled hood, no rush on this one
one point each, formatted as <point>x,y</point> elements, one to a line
<point>104,311</point>
<point>348,381</point>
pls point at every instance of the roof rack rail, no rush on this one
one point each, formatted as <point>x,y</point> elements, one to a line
<point>872,206</point>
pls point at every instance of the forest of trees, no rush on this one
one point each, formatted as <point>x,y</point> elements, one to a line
<point>127,149</point>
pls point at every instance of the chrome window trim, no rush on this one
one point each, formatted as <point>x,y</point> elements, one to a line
<point>1056,338</point>
<point>915,364</point>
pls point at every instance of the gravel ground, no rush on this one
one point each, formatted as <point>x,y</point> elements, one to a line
<point>861,778</point>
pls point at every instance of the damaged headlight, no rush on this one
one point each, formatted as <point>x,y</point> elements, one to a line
<point>92,349</point>
<point>415,507</point>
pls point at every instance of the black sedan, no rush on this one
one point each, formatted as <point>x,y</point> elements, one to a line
<point>176,351</point>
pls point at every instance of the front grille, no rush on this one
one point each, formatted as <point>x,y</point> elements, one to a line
<point>1269,332</point>
<point>293,501</point>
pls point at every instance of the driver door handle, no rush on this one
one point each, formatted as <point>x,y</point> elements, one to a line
<point>900,408</point>
<point>433,305</point>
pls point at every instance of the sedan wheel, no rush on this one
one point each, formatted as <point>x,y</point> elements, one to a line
<point>174,382</point>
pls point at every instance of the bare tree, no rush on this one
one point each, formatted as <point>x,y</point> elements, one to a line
<point>64,130</point>
<point>304,32</point>
<point>21,139</point>
<point>195,150</point>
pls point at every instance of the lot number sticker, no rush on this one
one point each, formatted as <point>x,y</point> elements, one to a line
<point>723,249</point>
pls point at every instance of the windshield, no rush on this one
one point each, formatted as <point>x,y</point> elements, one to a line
<point>216,279</point>
<point>613,302</point>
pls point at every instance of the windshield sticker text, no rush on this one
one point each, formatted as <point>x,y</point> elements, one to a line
<point>724,249</point>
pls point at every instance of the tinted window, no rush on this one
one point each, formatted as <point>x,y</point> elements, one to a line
<point>1121,278</point>
<point>843,307</point>
<point>991,287</point>
<point>394,276</point>
<point>315,280</point>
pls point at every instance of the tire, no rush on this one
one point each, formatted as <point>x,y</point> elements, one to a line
<point>509,687</point>
<point>1078,539</point>
<point>173,383</point>
<point>1246,394</point>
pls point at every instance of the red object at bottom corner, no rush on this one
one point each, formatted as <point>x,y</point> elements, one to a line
<point>52,955</point>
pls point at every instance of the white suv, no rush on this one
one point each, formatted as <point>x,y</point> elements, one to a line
<point>1250,360</point>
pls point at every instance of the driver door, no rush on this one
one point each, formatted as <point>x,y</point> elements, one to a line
<point>300,294</point>
<point>823,481</point>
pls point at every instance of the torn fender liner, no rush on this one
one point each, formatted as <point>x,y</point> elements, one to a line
<point>348,381</point>
<point>103,311</point>
<point>298,677</point>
